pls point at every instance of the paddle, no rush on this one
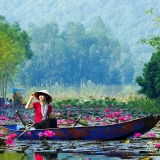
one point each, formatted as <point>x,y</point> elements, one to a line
<point>21,119</point>
<point>26,130</point>
<point>77,121</point>
<point>24,124</point>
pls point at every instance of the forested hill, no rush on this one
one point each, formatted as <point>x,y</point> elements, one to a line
<point>126,18</point>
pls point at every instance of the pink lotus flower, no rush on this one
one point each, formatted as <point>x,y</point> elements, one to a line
<point>0,122</point>
<point>60,121</point>
<point>7,119</point>
<point>29,133</point>
<point>40,134</point>
<point>69,112</point>
<point>86,158</point>
<point>121,118</point>
<point>104,118</point>
<point>9,141</point>
<point>110,116</point>
<point>71,107</point>
<point>12,136</point>
<point>107,110</point>
<point>137,135</point>
<point>116,114</point>
<point>98,119</point>
<point>70,121</point>
<point>26,117</point>
<point>1,117</point>
<point>151,135</point>
<point>157,145</point>
<point>128,117</point>
<point>49,133</point>
<point>87,117</point>
<point>16,117</point>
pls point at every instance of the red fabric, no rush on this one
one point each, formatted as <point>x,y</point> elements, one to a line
<point>38,157</point>
<point>38,114</point>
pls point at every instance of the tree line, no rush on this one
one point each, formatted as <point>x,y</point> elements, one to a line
<point>76,54</point>
<point>44,55</point>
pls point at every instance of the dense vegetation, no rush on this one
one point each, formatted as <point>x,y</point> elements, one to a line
<point>14,49</point>
<point>75,46</point>
<point>150,80</point>
<point>125,19</point>
<point>76,55</point>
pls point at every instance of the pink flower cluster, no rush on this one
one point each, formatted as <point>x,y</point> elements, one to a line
<point>46,133</point>
<point>88,118</point>
<point>2,117</point>
<point>117,115</point>
<point>10,139</point>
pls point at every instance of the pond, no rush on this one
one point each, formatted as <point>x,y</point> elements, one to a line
<point>58,156</point>
<point>141,148</point>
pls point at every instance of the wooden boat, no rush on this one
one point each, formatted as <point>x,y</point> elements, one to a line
<point>118,131</point>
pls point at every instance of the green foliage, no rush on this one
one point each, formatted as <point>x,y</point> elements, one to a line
<point>150,80</point>
<point>91,104</point>
<point>150,11</point>
<point>76,55</point>
<point>151,77</point>
<point>14,49</point>
<point>126,21</point>
<point>143,106</point>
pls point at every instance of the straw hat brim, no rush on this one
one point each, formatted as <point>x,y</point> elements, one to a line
<point>36,95</point>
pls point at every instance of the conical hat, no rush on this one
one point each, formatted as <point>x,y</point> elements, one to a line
<point>36,94</point>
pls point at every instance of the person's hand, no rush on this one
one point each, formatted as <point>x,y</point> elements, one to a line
<point>32,96</point>
<point>58,114</point>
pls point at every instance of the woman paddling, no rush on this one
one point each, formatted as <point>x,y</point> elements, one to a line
<point>43,110</point>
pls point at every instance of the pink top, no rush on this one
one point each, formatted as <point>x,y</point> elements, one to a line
<point>38,114</point>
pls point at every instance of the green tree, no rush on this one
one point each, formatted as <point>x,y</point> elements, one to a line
<point>14,49</point>
<point>76,55</point>
<point>150,79</point>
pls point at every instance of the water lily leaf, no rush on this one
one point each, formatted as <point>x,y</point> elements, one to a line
<point>84,121</point>
<point>127,141</point>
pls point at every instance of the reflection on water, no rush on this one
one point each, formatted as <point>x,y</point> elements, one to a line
<point>52,156</point>
<point>71,156</point>
<point>82,150</point>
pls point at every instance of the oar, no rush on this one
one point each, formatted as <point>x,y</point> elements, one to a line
<point>26,130</point>
<point>77,121</point>
<point>24,124</point>
<point>21,119</point>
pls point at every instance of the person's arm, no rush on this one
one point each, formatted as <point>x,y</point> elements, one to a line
<point>29,105</point>
<point>54,116</point>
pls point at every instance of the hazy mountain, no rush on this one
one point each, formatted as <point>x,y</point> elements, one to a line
<point>125,18</point>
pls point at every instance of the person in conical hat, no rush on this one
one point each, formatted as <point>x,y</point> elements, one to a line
<point>43,110</point>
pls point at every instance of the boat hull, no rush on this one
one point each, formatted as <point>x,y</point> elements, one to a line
<point>109,132</point>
